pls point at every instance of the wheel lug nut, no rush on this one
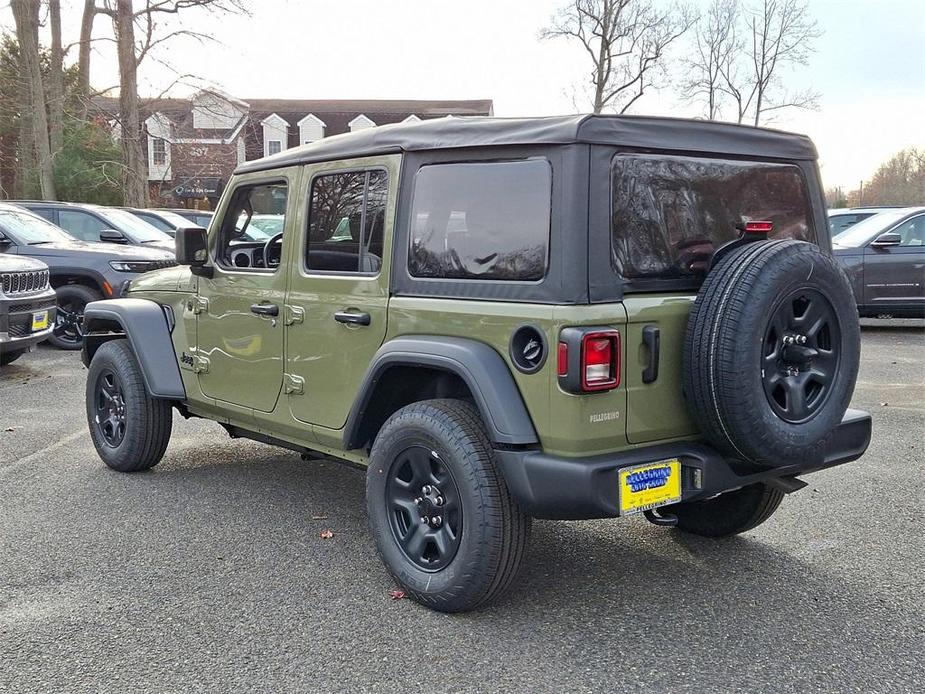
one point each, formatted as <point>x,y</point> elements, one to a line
<point>426,489</point>
<point>439,501</point>
<point>436,521</point>
<point>418,500</point>
<point>424,519</point>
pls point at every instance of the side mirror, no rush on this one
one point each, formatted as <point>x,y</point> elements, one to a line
<point>112,236</point>
<point>192,249</point>
<point>888,239</point>
<point>5,240</point>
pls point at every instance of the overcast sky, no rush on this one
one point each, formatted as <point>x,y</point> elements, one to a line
<point>869,64</point>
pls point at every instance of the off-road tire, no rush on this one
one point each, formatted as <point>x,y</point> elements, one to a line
<point>495,531</point>
<point>730,513</point>
<point>11,356</point>
<point>148,422</point>
<point>727,348</point>
<point>79,294</point>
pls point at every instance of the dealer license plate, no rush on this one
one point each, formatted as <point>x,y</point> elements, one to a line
<point>647,486</point>
<point>39,321</point>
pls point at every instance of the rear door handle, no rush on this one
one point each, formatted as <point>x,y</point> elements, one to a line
<point>651,338</point>
<point>265,309</point>
<point>350,318</point>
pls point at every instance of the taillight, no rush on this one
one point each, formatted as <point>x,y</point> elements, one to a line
<point>759,227</point>
<point>588,359</point>
<point>600,363</point>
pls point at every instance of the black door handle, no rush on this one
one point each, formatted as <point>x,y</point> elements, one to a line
<point>265,309</point>
<point>352,318</point>
<point>651,338</point>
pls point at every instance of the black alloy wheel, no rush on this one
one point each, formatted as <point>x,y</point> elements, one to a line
<point>425,513</point>
<point>68,321</point>
<point>800,356</point>
<point>109,400</point>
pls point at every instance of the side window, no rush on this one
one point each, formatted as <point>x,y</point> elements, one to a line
<point>912,232</point>
<point>84,226</point>
<point>487,221</point>
<point>346,222</point>
<point>256,214</point>
<point>45,213</point>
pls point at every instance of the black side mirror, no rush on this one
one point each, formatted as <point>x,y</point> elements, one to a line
<point>192,249</point>
<point>886,240</point>
<point>112,236</point>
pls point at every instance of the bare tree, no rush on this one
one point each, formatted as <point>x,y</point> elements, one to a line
<point>626,41</point>
<point>26,16</point>
<point>714,47</point>
<point>770,36</point>
<point>55,81</point>
<point>83,54</point>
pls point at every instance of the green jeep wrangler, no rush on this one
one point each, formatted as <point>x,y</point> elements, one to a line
<point>506,319</point>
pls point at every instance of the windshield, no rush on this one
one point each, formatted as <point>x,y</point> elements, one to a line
<point>136,229</point>
<point>865,230</point>
<point>268,224</point>
<point>27,228</point>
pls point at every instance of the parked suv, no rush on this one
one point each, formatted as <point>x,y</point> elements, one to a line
<point>80,272</point>
<point>884,257</point>
<point>566,318</point>
<point>27,306</point>
<point>95,223</point>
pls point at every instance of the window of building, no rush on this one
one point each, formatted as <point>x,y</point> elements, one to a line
<point>486,221</point>
<point>346,222</point>
<point>669,214</point>
<point>158,151</point>
<point>274,147</point>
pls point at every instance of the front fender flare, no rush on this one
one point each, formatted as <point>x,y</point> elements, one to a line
<point>480,367</point>
<point>146,327</point>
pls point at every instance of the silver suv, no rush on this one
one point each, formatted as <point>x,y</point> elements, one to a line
<point>27,306</point>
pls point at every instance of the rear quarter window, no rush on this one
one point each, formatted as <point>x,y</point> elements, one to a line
<point>670,213</point>
<point>486,221</point>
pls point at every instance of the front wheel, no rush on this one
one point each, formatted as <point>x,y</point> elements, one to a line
<point>130,430</point>
<point>68,330</point>
<point>442,517</point>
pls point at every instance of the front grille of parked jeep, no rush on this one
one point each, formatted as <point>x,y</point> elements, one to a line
<point>24,282</point>
<point>20,327</point>
<point>42,305</point>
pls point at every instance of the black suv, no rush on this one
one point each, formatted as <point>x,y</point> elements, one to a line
<point>95,223</point>
<point>80,272</point>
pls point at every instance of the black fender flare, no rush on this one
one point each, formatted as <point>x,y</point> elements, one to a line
<point>479,366</point>
<point>147,328</point>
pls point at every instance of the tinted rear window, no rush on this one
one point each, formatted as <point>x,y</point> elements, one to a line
<point>669,214</point>
<point>485,221</point>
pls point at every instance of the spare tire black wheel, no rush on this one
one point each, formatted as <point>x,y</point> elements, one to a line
<point>771,352</point>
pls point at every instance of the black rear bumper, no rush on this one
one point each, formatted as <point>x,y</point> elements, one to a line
<point>574,488</point>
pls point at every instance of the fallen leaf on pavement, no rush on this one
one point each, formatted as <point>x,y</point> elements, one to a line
<point>319,517</point>
<point>396,594</point>
<point>326,534</point>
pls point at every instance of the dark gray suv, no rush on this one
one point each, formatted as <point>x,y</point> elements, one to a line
<point>79,272</point>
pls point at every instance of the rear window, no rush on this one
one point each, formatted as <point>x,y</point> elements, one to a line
<point>487,221</point>
<point>669,214</point>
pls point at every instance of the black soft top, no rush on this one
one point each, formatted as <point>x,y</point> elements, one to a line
<point>625,131</point>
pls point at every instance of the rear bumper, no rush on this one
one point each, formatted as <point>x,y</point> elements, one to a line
<point>574,488</point>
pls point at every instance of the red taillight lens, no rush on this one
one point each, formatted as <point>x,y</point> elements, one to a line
<point>562,360</point>
<point>759,227</point>
<point>600,360</point>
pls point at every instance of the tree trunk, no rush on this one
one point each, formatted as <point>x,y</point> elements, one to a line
<point>83,56</point>
<point>135,177</point>
<point>56,81</point>
<point>26,15</point>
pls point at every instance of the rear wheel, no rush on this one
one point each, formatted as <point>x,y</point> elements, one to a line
<point>10,357</point>
<point>444,522</point>
<point>730,513</point>
<point>68,330</point>
<point>130,430</point>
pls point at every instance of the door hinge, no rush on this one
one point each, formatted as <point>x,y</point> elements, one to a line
<point>198,304</point>
<point>293,385</point>
<point>294,314</point>
<point>200,364</point>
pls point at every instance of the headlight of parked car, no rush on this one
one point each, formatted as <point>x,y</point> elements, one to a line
<point>134,265</point>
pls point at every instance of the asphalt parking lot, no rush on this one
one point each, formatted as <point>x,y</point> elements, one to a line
<point>209,573</point>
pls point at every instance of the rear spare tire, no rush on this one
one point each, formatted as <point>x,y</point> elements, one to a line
<point>771,352</point>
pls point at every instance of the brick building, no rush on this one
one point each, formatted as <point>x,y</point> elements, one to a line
<point>194,144</point>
